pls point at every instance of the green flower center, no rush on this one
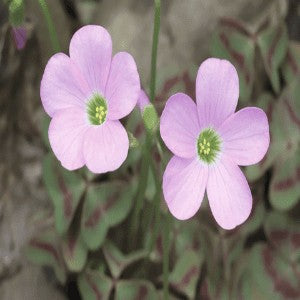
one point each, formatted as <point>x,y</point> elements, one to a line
<point>208,145</point>
<point>97,110</point>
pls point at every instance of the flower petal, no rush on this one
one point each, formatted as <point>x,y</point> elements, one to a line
<point>123,86</point>
<point>228,194</point>
<point>66,133</point>
<point>105,147</point>
<point>91,49</point>
<point>184,183</point>
<point>62,85</point>
<point>246,136</point>
<point>217,91</point>
<point>179,125</point>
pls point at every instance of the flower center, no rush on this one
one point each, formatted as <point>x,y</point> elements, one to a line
<point>208,145</point>
<point>97,109</point>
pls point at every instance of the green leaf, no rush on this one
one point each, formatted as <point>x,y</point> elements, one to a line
<point>135,289</point>
<point>106,205</point>
<point>45,251</point>
<point>291,67</point>
<point>236,45</point>
<point>65,189</point>
<point>172,80</point>
<point>186,272</point>
<point>284,234</point>
<point>74,252</point>
<point>273,45</point>
<point>285,183</point>
<point>274,276</point>
<point>284,119</point>
<point>93,285</point>
<point>117,261</point>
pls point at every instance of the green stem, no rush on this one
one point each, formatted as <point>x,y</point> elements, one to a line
<point>50,25</point>
<point>155,213</point>
<point>140,195</point>
<point>148,145</point>
<point>166,248</point>
<point>154,49</point>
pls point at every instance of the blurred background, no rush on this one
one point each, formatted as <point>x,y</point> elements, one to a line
<point>258,260</point>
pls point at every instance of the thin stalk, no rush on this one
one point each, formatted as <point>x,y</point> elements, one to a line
<point>50,25</point>
<point>166,248</point>
<point>140,195</point>
<point>148,145</point>
<point>154,49</point>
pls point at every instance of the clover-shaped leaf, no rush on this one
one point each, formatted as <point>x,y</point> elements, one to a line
<point>94,285</point>
<point>284,234</point>
<point>135,289</point>
<point>273,45</point>
<point>106,205</point>
<point>285,183</point>
<point>274,276</point>
<point>65,189</point>
<point>186,272</point>
<point>291,66</point>
<point>117,261</point>
<point>74,252</point>
<point>44,250</point>
<point>234,42</point>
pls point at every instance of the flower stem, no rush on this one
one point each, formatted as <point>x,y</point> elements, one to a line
<point>154,49</point>
<point>141,189</point>
<point>148,144</point>
<point>50,25</point>
<point>166,248</point>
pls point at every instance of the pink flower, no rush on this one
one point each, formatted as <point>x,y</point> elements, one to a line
<point>20,36</point>
<point>209,141</point>
<point>85,95</point>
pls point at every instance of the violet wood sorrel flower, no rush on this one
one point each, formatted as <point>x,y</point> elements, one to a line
<point>209,142</point>
<point>85,95</point>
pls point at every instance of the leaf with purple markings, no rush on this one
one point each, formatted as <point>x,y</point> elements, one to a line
<point>135,290</point>
<point>284,120</point>
<point>74,252</point>
<point>173,80</point>
<point>94,285</point>
<point>65,189</point>
<point>275,276</point>
<point>117,261</point>
<point>45,251</point>
<point>285,183</point>
<point>284,234</point>
<point>273,45</point>
<point>291,66</point>
<point>234,42</point>
<point>106,205</point>
<point>186,272</point>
